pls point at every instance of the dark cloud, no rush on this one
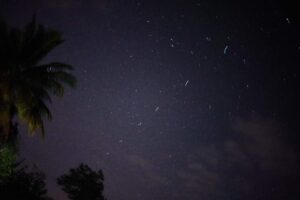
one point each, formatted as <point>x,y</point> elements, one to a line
<point>259,156</point>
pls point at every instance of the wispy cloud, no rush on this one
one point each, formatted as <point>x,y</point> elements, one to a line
<point>257,156</point>
<point>149,169</point>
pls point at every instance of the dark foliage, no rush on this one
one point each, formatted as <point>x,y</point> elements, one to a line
<point>82,183</point>
<point>23,185</point>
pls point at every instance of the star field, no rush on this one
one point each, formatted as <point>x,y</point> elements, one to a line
<point>175,99</point>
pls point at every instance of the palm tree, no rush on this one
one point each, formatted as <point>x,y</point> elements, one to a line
<point>26,85</point>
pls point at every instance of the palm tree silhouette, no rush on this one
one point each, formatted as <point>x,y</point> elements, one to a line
<point>26,85</point>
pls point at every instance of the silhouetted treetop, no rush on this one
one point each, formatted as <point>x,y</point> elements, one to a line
<point>82,183</point>
<point>19,184</point>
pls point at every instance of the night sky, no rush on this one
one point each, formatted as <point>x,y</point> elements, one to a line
<point>189,100</point>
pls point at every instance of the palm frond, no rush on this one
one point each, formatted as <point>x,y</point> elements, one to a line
<point>65,78</point>
<point>50,67</point>
<point>32,113</point>
<point>40,45</point>
<point>51,77</point>
<point>26,88</point>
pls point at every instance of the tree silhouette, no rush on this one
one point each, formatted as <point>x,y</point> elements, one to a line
<point>19,184</point>
<point>26,85</point>
<point>82,183</point>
